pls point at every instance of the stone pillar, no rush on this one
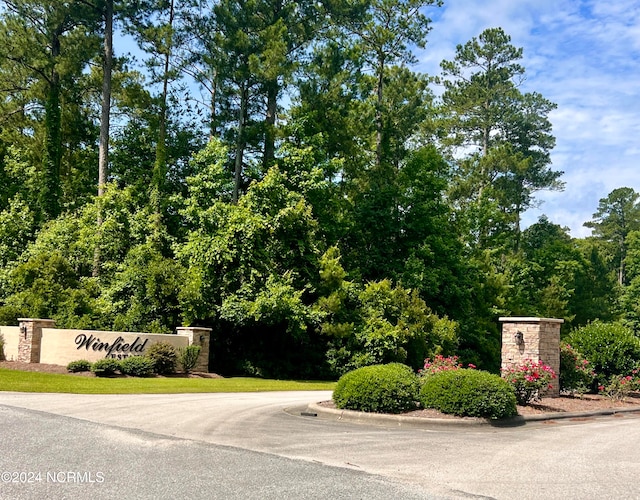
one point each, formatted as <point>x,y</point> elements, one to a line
<point>198,336</point>
<point>535,339</point>
<point>30,338</point>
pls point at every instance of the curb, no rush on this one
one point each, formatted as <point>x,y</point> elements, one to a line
<point>314,409</point>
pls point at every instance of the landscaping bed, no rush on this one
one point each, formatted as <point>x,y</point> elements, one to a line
<point>563,404</point>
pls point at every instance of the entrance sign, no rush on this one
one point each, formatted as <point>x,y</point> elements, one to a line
<point>38,341</point>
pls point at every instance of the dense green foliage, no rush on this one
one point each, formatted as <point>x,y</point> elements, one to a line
<point>468,393</point>
<point>106,367</point>
<point>164,357</point>
<point>137,366</point>
<point>315,202</point>
<point>576,374</point>
<point>81,365</point>
<point>390,388</point>
<point>188,357</point>
<point>611,349</point>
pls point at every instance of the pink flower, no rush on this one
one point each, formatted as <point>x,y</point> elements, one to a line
<point>472,366</point>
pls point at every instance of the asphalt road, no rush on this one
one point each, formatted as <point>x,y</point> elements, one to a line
<point>259,446</point>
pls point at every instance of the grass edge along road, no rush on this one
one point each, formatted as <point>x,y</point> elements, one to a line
<point>19,381</point>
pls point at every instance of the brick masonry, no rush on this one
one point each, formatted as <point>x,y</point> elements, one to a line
<point>29,341</point>
<point>198,336</point>
<point>540,341</point>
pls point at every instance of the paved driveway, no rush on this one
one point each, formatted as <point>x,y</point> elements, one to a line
<point>580,458</point>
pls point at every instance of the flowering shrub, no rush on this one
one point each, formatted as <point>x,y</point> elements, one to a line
<point>576,375</point>
<point>620,386</point>
<point>442,364</point>
<point>611,348</point>
<point>530,380</point>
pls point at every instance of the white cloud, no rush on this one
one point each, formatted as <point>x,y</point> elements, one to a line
<point>585,57</point>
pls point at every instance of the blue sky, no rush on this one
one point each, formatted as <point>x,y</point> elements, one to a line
<point>584,56</point>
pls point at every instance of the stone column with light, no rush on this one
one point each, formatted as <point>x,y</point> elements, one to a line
<point>532,338</point>
<point>198,336</point>
<point>29,342</point>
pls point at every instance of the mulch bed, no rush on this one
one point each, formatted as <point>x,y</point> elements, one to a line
<point>563,404</point>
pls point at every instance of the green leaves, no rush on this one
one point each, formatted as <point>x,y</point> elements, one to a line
<point>378,322</point>
<point>483,107</point>
<point>234,251</point>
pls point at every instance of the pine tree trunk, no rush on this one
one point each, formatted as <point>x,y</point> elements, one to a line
<point>240,142</point>
<point>103,151</point>
<point>379,110</point>
<point>160,165</point>
<point>107,67</point>
<point>51,192</point>
<point>270,123</point>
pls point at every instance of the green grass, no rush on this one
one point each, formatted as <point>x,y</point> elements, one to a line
<point>19,381</point>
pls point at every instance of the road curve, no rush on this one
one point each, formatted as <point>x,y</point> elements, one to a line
<point>577,458</point>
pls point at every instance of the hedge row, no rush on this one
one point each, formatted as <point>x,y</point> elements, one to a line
<point>161,358</point>
<point>395,388</point>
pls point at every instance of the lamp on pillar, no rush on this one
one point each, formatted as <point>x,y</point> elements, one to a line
<point>23,331</point>
<point>519,338</point>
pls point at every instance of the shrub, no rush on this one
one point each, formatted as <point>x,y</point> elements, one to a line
<point>188,357</point>
<point>620,386</point>
<point>81,365</point>
<point>530,380</point>
<point>611,348</point>
<point>440,364</point>
<point>106,367</point>
<point>164,356</point>
<point>137,366</point>
<point>1,348</point>
<point>576,376</point>
<point>390,388</point>
<point>469,393</point>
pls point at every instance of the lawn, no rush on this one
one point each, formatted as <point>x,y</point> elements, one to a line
<point>19,381</point>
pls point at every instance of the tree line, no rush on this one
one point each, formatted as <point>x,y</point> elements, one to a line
<point>318,202</point>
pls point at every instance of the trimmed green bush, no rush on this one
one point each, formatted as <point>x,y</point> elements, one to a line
<point>611,348</point>
<point>164,356</point>
<point>469,393</point>
<point>106,367</point>
<point>81,365</point>
<point>188,357</point>
<point>390,388</point>
<point>137,366</point>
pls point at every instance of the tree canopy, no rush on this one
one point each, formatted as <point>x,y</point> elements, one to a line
<point>280,172</point>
